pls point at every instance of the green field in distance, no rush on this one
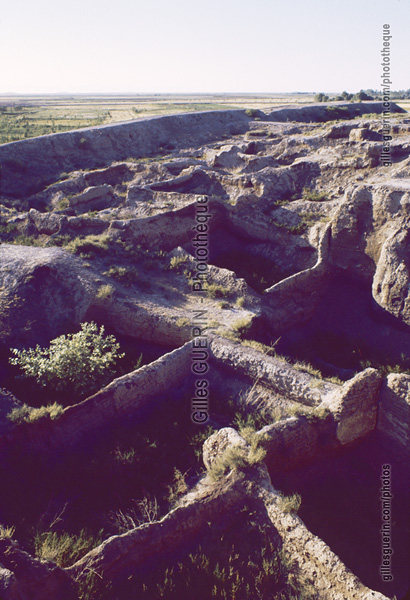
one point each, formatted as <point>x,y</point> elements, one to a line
<point>30,116</point>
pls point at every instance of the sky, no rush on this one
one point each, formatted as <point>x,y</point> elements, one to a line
<point>185,46</point>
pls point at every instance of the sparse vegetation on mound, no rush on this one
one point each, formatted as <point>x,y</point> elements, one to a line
<point>62,548</point>
<point>214,290</point>
<point>126,254</point>
<point>28,414</point>
<point>237,458</point>
<point>313,195</point>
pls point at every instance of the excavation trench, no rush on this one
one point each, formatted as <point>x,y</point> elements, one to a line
<point>107,482</point>
<point>128,470</point>
<point>341,504</point>
<point>347,333</point>
<point>261,264</point>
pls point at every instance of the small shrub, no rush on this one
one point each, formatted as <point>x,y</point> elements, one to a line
<point>243,412</point>
<point>125,457</point>
<point>228,334</point>
<point>248,423</point>
<point>149,510</point>
<point>296,410</point>
<point>239,457</point>
<point>178,487</point>
<point>62,548</point>
<point>242,326</point>
<point>321,412</point>
<point>234,457</point>
<point>255,133</point>
<point>256,453</point>
<point>78,363</point>
<point>63,203</point>
<point>179,263</point>
<point>313,195</point>
<point>137,363</point>
<point>105,292</point>
<point>214,290</point>
<point>240,302</point>
<point>88,586</point>
<point>306,221</point>
<point>6,532</point>
<point>139,512</point>
<point>224,305</point>
<point>252,112</point>
<point>289,504</point>
<point>321,97</point>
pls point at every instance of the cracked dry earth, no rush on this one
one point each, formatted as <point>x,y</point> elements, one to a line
<point>301,318</point>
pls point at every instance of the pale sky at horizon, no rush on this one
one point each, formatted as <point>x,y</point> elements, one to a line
<point>263,46</point>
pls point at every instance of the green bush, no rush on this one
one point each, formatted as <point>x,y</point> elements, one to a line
<point>321,97</point>
<point>78,363</point>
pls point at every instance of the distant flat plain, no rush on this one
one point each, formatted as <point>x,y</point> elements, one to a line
<point>29,116</point>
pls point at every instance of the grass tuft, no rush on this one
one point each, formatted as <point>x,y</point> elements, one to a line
<point>28,414</point>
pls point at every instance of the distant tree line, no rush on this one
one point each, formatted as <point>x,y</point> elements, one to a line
<point>363,95</point>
